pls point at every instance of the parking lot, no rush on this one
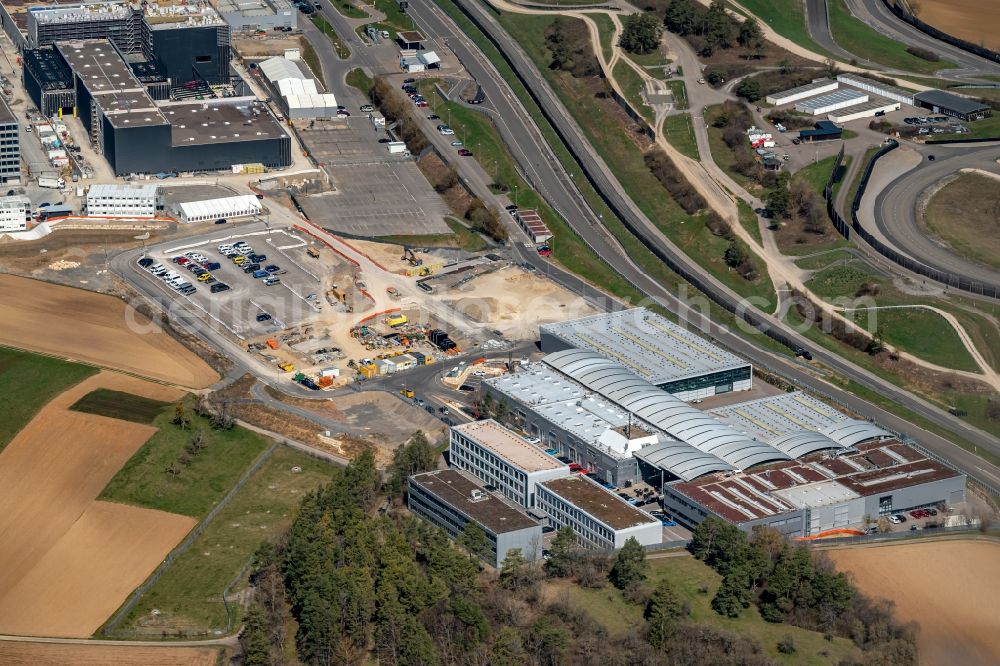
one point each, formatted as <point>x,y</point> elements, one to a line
<point>283,290</point>
<point>376,194</point>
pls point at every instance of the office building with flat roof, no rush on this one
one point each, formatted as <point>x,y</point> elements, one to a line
<point>502,459</point>
<point>10,145</point>
<point>253,15</point>
<point>15,213</point>
<point>600,519</point>
<point>451,499</point>
<point>133,201</point>
<point>675,359</point>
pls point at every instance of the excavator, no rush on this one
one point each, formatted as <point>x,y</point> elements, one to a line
<point>410,257</point>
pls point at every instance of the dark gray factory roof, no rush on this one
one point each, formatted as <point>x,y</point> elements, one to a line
<point>456,489</point>
<point>948,101</point>
<point>203,122</point>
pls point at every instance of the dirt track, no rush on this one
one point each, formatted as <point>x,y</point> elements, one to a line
<point>949,587</point>
<point>972,20</point>
<point>43,654</point>
<point>94,328</point>
<point>66,561</point>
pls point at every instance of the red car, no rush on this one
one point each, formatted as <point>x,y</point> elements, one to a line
<point>422,105</point>
<point>465,152</point>
<point>180,261</point>
<point>544,251</point>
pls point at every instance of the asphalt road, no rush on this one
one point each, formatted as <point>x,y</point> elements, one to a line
<point>524,135</point>
<point>877,16</point>
<point>896,204</point>
<point>818,24</point>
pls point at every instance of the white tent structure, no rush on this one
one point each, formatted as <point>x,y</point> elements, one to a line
<point>297,91</point>
<point>216,209</point>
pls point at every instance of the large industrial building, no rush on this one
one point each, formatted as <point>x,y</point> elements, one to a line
<point>450,499</point>
<point>599,403</point>
<point>10,145</point>
<point>138,135</point>
<point>955,106</point>
<point>227,208</point>
<point>502,459</point>
<point>599,519</point>
<point>676,360</point>
<point>820,491</point>
<point>816,87</point>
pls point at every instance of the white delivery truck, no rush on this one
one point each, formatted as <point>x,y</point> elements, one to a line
<point>53,182</point>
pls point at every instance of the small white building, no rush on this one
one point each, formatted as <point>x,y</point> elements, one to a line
<point>228,208</point>
<point>881,89</point>
<point>122,200</point>
<point>600,519</point>
<point>297,92</point>
<point>15,213</point>
<point>502,459</point>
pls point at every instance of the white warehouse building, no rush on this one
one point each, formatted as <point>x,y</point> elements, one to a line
<point>502,459</point>
<point>15,213</point>
<point>600,519</point>
<point>215,209</point>
<point>878,88</point>
<point>297,91</point>
<point>839,99</point>
<point>817,87</point>
<point>122,200</point>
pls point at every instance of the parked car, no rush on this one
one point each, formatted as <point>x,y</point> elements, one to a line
<point>367,108</point>
<point>221,220</point>
<point>271,280</point>
<point>465,152</point>
<point>263,316</point>
<point>145,262</point>
<point>219,286</point>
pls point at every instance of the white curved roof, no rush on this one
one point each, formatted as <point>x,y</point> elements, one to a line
<point>798,444</point>
<point>682,459</point>
<point>849,432</point>
<point>662,410</point>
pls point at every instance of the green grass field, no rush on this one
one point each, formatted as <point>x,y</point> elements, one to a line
<point>631,84</point>
<point>689,576</point>
<point>919,331</point>
<point>606,30</point>
<point>866,43</point>
<point>788,19</point>
<point>120,405</point>
<point>144,480</point>
<point>987,128</point>
<point>722,154</point>
<point>827,258</point>
<point>394,16</point>
<point>680,133</point>
<point>311,58</point>
<point>28,381</point>
<point>462,237</point>
<point>188,595</point>
<point>358,79</point>
<point>679,89</point>
<point>349,10</point>
<point>654,61</point>
<point>748,219</point>
<point>339,45</point>
<point>818,173</point>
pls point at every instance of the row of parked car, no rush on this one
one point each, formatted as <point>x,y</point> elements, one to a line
<point>244,257</point>
<point>174,280</point>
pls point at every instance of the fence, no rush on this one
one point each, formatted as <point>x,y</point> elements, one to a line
<point>950,279</point>
<point>904,15</point>
<point>831,209</point>
<point>111,625</point>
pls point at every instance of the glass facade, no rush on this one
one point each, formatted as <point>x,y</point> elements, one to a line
<point>722,381</point>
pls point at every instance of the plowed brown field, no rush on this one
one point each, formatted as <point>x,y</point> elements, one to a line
<point>949,587</point>
<point>976,21</point>
<point>66,561</point>
<point>94,328</point>
<point>48,654</point>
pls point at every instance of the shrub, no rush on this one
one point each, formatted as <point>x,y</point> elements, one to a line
<point>569,42</point>
<point>922,53</point>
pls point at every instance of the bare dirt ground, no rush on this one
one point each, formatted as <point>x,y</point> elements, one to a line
<point>94,328</point>
<point>47,654</point>
<point>972,20</point>
<point>949,587</point>
<point>58,542</point>
<point>965,216</point>
<point>516,302</point>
